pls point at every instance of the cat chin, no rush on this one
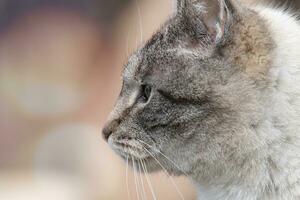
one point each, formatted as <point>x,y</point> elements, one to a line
<point>150,165</point>
<point>144,165</point>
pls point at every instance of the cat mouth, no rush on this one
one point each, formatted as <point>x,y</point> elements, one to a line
<point>131,150</point>
<point>137,155</point>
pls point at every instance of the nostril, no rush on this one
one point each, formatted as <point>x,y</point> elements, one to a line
<point>109,128</point>
<point>106,132</point>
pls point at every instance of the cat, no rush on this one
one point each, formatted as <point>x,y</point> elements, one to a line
<point>214,95</point>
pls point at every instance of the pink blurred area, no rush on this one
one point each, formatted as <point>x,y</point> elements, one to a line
<point>60,73</point>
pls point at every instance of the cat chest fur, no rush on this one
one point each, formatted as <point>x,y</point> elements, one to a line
<point>278,174</point>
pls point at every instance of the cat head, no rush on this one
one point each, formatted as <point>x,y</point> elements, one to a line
<point>193,93</point>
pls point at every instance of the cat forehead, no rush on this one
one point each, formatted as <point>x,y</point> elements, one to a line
<point>147,55</point>
<point>166,47</point>
<point>131,67</point>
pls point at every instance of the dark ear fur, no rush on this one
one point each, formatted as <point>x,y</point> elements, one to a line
<point>214,15</point>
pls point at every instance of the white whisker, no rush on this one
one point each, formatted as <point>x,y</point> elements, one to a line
<point>142,182</point>
<point>171,179</point>
<point>148,179</point>
<point>127,185</point>
<point>140,20</point>
<point>135,179</point>
<point>127,42</point>
<point>158,151</point>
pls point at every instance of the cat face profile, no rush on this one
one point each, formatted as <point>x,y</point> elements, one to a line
<point>193,95</point>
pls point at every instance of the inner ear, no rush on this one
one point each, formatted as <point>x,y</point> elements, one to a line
<point>214,15</point>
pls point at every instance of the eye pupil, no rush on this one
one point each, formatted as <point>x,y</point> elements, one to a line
<point>145,92</point>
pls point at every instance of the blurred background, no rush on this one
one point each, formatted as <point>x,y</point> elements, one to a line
<point>60,73</point>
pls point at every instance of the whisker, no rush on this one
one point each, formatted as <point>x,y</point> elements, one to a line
<point>140,20</point>
<point>148,179</point>
<point>166,172</point>
<point>127,185</point>
<point>158,151</point>
<point>135,179</point>
<point>142,182</point>
<point>127,42</point>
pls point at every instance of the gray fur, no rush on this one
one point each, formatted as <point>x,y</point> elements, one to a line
<point>206,105</point>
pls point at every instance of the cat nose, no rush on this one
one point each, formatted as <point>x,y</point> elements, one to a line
<point>106,132</point>
<point>109,128</point>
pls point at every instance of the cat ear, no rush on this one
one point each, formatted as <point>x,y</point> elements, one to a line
<point>214,15</point>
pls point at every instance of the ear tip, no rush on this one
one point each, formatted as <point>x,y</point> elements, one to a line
<point>215,15</point>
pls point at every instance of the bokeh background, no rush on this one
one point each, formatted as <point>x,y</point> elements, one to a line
<point>60,73</point>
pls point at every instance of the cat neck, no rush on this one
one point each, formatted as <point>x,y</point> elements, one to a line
<point>273,171</point>
<point>275,178</point>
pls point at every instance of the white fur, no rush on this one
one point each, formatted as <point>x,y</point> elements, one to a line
<point>282,121</point>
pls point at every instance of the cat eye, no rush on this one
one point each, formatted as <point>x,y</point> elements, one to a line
<point>145,93</point>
